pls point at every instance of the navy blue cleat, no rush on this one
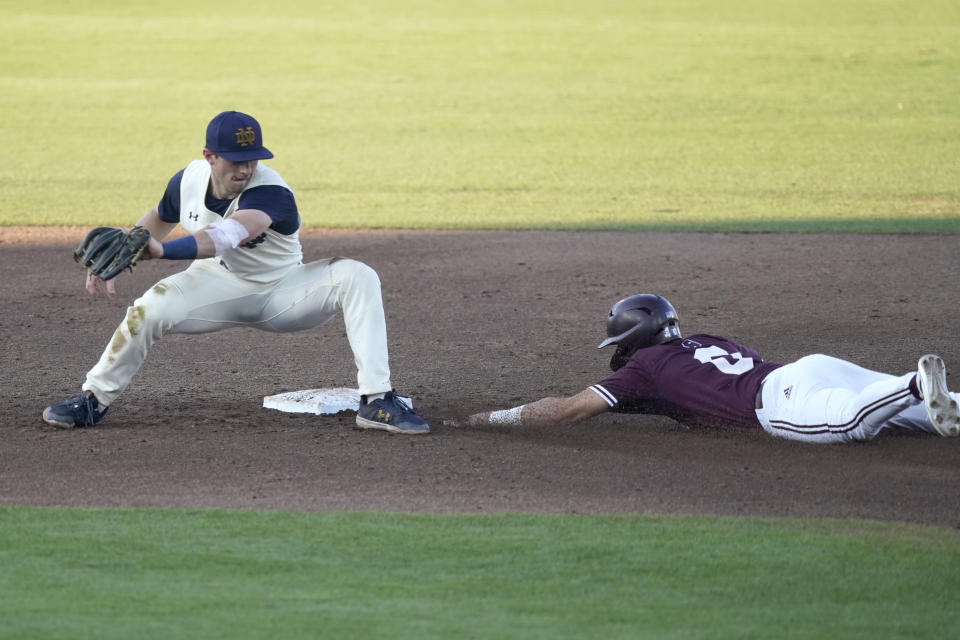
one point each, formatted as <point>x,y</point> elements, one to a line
<point>391,413</point>
<point>83,410</point>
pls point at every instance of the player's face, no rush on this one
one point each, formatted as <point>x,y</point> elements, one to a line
<point>229,178</point>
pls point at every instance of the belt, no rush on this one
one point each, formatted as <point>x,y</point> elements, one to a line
<point>759,401</point>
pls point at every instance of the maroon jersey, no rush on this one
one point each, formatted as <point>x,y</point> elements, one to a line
<point>701,380</point>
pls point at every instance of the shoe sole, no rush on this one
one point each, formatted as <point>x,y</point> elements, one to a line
<point>53,422</point>
<point>941,407</point>
<point>363,423</point>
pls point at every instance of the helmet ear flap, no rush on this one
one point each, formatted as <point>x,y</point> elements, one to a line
<point>670,331</point>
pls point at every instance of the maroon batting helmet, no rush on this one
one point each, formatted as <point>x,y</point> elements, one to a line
<point>637,322</point>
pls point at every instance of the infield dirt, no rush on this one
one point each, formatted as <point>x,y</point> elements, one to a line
<point>479,321</point>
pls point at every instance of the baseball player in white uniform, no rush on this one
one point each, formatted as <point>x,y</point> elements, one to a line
<point>246,270</point>
<point>705,380</point>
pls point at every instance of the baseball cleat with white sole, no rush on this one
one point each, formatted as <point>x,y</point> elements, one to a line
<point>942,408</point>
<point>83,410</point>
<point>393,413</point>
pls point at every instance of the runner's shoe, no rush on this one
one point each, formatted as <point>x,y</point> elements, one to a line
<point>942,408</point>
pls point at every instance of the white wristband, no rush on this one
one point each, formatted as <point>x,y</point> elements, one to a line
<point>507,416</point>
<point>226,234</point>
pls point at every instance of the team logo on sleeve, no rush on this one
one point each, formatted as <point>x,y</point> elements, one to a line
<point>252,244</point>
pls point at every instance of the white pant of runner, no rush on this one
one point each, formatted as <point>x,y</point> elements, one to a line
<point>207,297</point>
<point>823,399</point>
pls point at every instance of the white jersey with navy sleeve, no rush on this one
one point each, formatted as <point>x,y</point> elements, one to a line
<point>265,258</point>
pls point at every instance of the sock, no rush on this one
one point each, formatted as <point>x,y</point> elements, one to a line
<point>915,388</point>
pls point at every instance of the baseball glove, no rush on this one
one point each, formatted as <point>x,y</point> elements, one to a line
<point>106,251</point>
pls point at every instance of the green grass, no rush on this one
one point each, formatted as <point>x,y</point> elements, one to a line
<point>695,114</point>
<point>123,573</point>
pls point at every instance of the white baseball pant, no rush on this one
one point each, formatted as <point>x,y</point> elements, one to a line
<point>824,399</point>
<point>207,297</point>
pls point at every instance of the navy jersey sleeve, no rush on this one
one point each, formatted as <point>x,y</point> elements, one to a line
<point>169,206</point>
<point>277,202</point>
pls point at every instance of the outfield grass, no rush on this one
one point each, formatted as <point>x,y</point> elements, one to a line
<point>123,573</point>
<point>595,114</point>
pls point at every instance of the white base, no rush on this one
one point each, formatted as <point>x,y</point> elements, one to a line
<point>316,401</point>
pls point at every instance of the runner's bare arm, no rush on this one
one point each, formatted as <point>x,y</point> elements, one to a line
<point>545,412</point>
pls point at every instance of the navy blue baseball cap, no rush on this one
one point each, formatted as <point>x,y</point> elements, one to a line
<point>236,137</point>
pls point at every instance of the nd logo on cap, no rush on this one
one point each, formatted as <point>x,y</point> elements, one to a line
<point>246,136</point>
<point>237,137</point>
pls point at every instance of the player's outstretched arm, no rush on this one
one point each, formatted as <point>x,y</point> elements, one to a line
<point>543,412</point>
<point>158,231</point>
<point>215,238</point>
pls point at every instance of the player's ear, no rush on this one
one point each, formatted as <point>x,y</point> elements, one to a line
<point>209,156</point>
